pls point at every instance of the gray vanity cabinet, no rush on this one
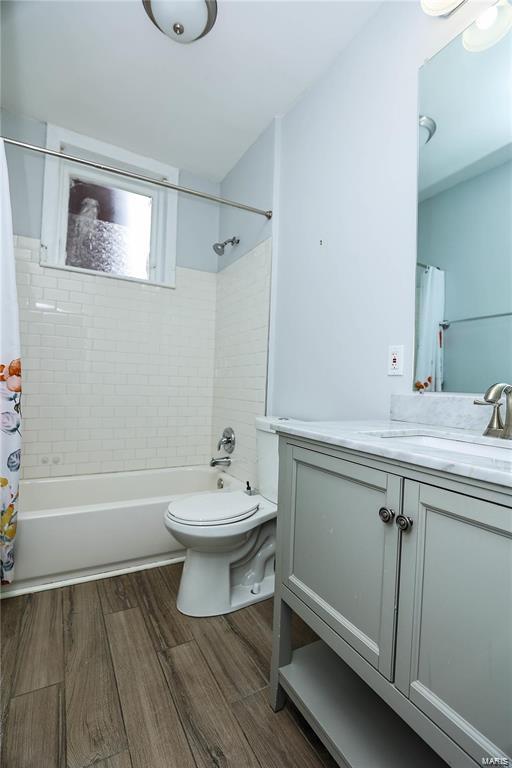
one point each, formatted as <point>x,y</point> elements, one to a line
<point>342,558</point>
<point>422,614</point>
<point>454,652</point>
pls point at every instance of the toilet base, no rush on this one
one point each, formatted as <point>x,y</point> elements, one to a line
<point>214,583</point>
<point>243,596</point>
<point>240,597</point>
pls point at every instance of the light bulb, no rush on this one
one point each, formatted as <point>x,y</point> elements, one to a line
<point>487,18</point>
<point>490,27</point>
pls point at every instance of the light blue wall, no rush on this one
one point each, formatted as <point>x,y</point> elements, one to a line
<point>26,172</point>
<point>467,231</point>
<point>349,179</point>
<point>478,354</point>
<point>198,225</point>
<point>250,181</point>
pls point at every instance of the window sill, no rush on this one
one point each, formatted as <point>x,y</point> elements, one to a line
<point>94,273</point>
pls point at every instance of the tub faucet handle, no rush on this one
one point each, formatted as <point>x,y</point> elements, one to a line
<point>227,441</point>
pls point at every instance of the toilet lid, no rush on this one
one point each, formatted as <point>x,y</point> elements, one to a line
<point>213,508</point>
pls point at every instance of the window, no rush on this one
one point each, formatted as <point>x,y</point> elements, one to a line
<point>101,222</point>
<point>108,229</point>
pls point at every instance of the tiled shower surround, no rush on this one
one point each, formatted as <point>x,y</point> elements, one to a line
<point>119,375</point>
<point>241,346</point>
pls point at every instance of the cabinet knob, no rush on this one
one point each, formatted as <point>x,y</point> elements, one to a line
<point>404,523</point>
<point>386,515</point>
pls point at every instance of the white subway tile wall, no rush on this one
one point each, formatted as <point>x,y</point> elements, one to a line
<point>241,347</point>
<point>116,375</point>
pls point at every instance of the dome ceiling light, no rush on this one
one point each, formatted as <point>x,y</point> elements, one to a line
<point>184,21</point>
<point>440,7</point>
<point>490,27</point>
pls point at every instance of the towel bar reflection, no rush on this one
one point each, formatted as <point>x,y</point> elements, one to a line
<point>446,323</point>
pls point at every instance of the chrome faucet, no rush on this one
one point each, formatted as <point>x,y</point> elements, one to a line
<point>493,395</point>
<point>224,461</point>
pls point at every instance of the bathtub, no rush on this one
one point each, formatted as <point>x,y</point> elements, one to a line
<point>76,528</point>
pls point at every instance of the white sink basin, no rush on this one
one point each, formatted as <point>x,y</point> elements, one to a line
<point>449,443</point>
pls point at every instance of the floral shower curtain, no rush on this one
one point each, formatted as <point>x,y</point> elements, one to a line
<point>10,382</point>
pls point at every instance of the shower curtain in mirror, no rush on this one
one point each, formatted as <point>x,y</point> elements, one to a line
<point>429,349</point>
<point>10,382</point>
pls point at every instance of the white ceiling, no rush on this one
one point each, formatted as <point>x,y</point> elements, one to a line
<point>102,69</point>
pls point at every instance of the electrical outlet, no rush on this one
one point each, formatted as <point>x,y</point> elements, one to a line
<point>396,360</point>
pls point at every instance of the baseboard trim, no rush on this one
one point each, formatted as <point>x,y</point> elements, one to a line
<point>66,582</point>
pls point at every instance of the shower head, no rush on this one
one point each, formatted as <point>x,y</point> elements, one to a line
<point>220,247</point>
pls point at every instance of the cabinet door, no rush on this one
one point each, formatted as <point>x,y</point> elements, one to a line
<point>454,645</point>
<point>340,557</point>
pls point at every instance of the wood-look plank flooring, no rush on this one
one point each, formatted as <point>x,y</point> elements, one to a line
<point>94,725</point>
<point>40,650</point>
<point>34,736</point>
<point>11,615</point>
<point>109,674</point>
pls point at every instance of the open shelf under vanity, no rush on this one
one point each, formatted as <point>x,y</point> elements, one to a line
<point>355,724</point>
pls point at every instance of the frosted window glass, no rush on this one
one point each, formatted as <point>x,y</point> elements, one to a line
<point>109,229</point>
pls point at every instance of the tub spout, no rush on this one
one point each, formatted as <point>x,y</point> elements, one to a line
<point>224,461</point>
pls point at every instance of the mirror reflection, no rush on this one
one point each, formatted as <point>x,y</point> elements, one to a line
<point>464,255</point>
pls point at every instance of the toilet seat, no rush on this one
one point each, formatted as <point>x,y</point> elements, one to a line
<point>215,508</point>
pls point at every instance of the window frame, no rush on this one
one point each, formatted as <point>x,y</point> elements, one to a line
<point>164,207</point>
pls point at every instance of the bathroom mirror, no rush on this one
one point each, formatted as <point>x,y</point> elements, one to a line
<point>464,253</point>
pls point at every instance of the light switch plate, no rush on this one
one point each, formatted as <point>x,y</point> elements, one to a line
<point>396,360</point>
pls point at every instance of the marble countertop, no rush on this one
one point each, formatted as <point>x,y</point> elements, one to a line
<point>396,440</point>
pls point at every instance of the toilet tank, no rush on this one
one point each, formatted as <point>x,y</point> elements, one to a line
<point>267,445</point>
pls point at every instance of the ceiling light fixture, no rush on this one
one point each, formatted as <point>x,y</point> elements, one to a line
<point>490,27</point>
<point>182,20</point>
<point>440,7</point>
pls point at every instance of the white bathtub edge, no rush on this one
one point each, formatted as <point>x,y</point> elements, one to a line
<point>38,585</point>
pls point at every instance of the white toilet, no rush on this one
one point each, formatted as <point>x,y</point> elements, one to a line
<point>230,539</point>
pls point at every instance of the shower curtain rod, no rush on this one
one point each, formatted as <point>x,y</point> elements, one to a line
<point>421,264</point>
<point>137,177</point>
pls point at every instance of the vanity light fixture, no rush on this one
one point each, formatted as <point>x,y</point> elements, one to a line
<point>441,7</point>
<point>184,21</point>
<point>490,27</point>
